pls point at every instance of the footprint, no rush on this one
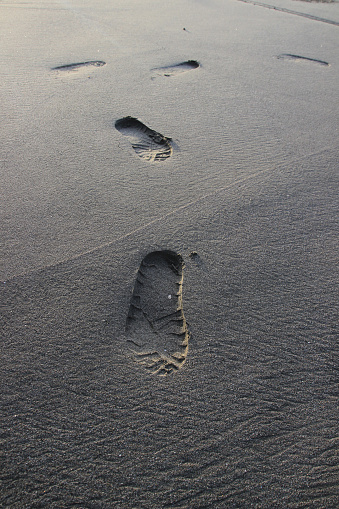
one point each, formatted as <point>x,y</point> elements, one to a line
<point>196,259</point>
<point>288,56</point>
<point>173,70</point>
<point>156,327</point>
<point>79,65</point>
<point>148,144</point>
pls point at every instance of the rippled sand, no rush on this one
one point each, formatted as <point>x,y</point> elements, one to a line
<point>170,282</point>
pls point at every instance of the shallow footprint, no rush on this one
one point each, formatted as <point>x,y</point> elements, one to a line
<point>173,70</point>
<point>289,56</point>
<point>156,327</point>
<point>148,144</point>
<point>80,65</point>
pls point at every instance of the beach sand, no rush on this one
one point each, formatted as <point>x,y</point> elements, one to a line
<point>159,160</point>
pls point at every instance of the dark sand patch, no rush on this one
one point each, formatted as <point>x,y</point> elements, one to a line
<point>173,70</point>
<point>290,56</point>
<point>148,144</point>
<point>156,325</point>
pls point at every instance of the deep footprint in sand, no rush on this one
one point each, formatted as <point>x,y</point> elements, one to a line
<point>173,70</point>
<point>289,56</point>
<point>157,332</point>
<point>148,144</point>
<point>80,65</point>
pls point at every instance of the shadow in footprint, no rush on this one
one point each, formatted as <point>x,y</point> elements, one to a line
<point>148,144</point>
<point>80,65</point>
<point>156,327</point>
<point>289,56</point>
<point>173,70</point>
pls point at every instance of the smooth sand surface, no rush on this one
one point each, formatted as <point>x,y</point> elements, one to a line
<point>247,202</point>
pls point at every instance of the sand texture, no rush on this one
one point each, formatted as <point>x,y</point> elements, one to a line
<point>169,254</point>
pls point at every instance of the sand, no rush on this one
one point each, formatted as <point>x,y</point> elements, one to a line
<point>213,381</point>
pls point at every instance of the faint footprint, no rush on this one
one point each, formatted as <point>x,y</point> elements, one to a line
<point>156,327</point>
<point>196,259</point>
<point>80,65</point>
<point>289,56</point>
<point>173,70</point>
<point>148,144</point>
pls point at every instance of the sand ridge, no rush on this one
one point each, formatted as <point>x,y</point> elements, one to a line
<point>289,11</point>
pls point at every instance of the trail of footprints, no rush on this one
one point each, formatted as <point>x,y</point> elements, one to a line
<point>148,144</point>
<point>156,328</point>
